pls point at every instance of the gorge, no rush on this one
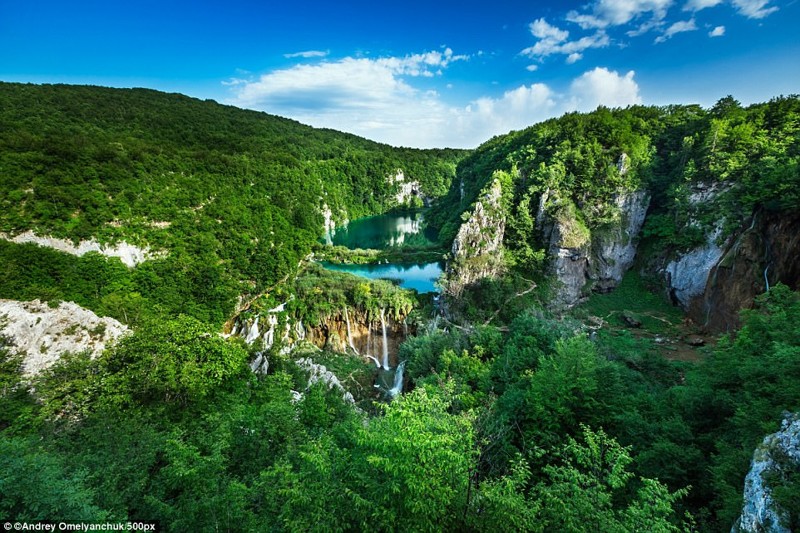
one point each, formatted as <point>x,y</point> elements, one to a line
<point>605,300</point>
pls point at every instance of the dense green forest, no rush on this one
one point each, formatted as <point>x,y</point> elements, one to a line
<point>513,418</point>
<point>753,151</point>
<point>234,197</point>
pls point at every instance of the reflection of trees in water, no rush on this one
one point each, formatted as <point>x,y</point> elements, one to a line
<point>383,232</point>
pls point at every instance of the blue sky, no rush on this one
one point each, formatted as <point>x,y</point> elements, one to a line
<point>423,74</point>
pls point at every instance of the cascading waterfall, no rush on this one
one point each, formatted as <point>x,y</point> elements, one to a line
<point>397,386</point>
<point>349,332</point>
<point>385,343</point>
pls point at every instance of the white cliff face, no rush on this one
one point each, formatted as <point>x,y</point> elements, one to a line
<point>320,374</point>
<point>42,334</point>
<point>477,248</point>
<point>613,250</point>
<point>407,191</point>
<point>129,254</point>
<point>329,223</point>
<point>760,512</point>
<point>584,260</point>
<point>687,275</point>
<point>329,226</point>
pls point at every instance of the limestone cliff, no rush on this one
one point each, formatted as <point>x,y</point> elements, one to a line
<point>408,192</point>
<point>129,254</point>
<point>583,260</point>
<point>43,333</point>
<point>350,331</point>
<point>717,279</point>
<point>779,452</point>
<point>477,248</point>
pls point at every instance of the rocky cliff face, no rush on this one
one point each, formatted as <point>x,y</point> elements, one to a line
<point>477,248</point>
<point>129,254</point>
<point>614,247</point>
<point>584,260</point>
<point>320,374</point>
<point>349,331</point>
<point>717,279</point>
<point>43,333</point>
<point>778,452</point>
<point>758,257</point>
<point>409,192</point>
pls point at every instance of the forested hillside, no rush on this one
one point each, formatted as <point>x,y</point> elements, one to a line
<point>234,198</point>
<point>574,382</point>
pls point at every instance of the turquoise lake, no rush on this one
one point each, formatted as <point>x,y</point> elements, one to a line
<point>421,278</point>
<point>380,232</point>
<point>386,231</point>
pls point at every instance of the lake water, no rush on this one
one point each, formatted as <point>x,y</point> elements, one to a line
<point>386,231</point>
<point>380,232</point>
<point>421,278</point>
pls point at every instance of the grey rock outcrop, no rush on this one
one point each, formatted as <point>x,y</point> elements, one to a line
<point>687,274</point>
<point>584,260</point>
<point>42,333</point>
<point>320,374</point>
<point>614,249</point>
<point>477,248</point>
<point>760,512</point>
<point>129,254</point>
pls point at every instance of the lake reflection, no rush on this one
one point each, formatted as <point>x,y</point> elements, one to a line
<point>421,278</point>
<point>379,232</point>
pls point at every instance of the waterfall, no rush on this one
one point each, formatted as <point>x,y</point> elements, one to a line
<point>397,386</point>
<point>377,363</point>
<point>349,332</point>
<point>252,333</point>
<point>385,343</point>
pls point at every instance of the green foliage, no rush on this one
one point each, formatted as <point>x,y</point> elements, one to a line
<point>233,197</point>
<point>16,403</point>
<point>36,486</point>
<point>177,361</point>
<point>579,492</point>
<point>740,393</point>
<point>320,294</point>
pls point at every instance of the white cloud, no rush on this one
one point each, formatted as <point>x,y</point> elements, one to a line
<point>719,31</point>
<point>421,64</point>
<point>307,54</point>
<point>603,87</point>
<point>677,27</point>
<point>754,9</point>
<point>532,68</point>
<point>542,30</point>
<point>547,47</point>
<point>515,109</point>
<point>376,98</point>
<point>606,13</point>
<point>574,57</point>
<point>697,5</point>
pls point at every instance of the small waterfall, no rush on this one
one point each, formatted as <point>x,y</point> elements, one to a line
<point>377,363</point>
<point>349,332</point>
<point>385,343</point>
<point>397,386</point>
<point>252,333</point>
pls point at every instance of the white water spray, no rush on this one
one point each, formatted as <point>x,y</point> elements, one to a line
<point>349,332</point>
<point>397,386</point>
<point>385,343</point>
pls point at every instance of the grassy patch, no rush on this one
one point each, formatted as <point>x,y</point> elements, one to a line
<point>656,314</point>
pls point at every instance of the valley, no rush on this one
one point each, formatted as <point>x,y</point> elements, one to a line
<point>591,323</point>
